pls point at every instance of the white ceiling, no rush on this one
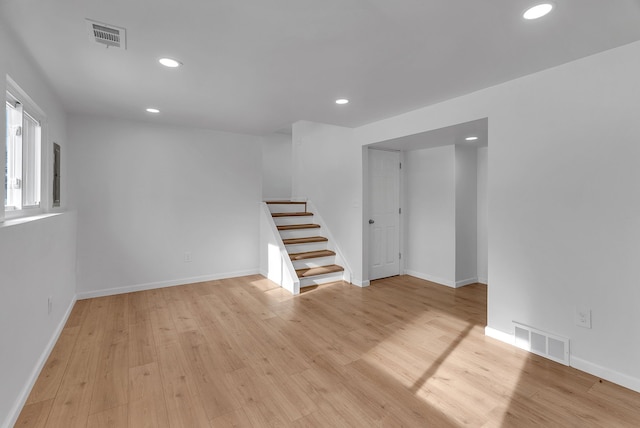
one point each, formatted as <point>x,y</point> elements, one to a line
<point>257,66</point>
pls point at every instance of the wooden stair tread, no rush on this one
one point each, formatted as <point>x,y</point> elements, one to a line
<point>298,226</point>
<point>301,214</point>
<point>321,270</point>
<point>311,255</point>
<point>308,240</point>
<point>285,203</point>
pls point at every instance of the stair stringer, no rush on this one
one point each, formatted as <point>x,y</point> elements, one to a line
<point>275,263</point>
<point>332,244</point>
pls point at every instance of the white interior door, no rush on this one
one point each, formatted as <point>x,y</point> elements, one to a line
<point>384,216</point>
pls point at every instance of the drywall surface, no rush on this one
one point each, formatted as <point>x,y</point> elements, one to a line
<point>430,220</point>
<point>276,166</point>
<point>161,205</point>
<point>37,258</point>
<point>563,210</point>
<point>466,218</point>
<point>37,262</point>
<point>328,171</point>
<point>483,216</point>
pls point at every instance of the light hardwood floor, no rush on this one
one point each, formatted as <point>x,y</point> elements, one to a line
<point>242,352</point>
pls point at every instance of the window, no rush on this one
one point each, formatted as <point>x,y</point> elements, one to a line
<point>22,173</point>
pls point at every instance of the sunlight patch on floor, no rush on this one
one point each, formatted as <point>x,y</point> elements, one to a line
<point>431,362</point>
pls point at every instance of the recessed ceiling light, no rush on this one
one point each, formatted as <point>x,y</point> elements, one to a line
<point>342,101</point>
<point>153,110</point>
<point>471,138</point>
<point>537,11</point>
<point>170,62</point>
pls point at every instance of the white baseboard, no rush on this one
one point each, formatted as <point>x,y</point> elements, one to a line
<point>606,373</point>
<point>578,363</point>
<point>162,284</point>
<point>26,390</point>
<point>361,283</point>
<point>430,278</point>
<point>483,280</point>
<point>466,282</point>
<point>499,335</point>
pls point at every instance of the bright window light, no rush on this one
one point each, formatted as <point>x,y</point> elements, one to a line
<point>23,150</point>
<point>537,11</point>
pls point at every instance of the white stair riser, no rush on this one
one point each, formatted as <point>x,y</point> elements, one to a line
<point>303,248</point>
<point>321,279</point>
<point>300,233</point>
<point>286,208</point>
<point>315,262</point>
<point>281,221</point>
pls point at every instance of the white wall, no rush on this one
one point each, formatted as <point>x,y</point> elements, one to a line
<point>441,214</point>
<point>563,211</point>
<point>483,216</point>
<point>147,194</point>
<point>37,258</point>
<point>466,218</point>
<point>327,169</point>
<point>276,166</point>
<point>430,227</point>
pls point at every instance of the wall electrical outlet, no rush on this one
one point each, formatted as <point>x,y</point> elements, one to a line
<point>583,316</point>
<point>187,257</point>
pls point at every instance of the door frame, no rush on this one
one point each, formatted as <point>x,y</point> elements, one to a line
<point>366,213</point>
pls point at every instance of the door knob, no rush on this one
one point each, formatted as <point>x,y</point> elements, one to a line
<point>371,221</point>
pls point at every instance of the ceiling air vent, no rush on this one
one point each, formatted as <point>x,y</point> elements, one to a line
<point>108,35</point>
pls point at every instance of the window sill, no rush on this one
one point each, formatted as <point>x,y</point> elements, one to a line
<point>21,220</point>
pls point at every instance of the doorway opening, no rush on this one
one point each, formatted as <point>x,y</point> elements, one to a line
<point>440,198</point>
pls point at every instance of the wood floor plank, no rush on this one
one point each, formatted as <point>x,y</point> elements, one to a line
<point>243,352</point>
<point>142,348</point>
<point>184,406</point>
<point>236,419</point>
<point>73,399</point>
<point>116,417</point>
<point>206,375</point>
<point>111,384</point>
<point>146,407</point>
<point>35,414</point>
<point>46,387</point>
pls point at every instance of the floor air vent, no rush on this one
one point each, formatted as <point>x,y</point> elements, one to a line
<point>108,35</point>
<point>547,345</point>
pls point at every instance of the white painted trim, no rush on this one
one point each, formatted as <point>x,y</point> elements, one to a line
<point>361,283</point>
<point>466,282</point>
<point>622,379</point>
<point>482,280</point>
<point>430,278</point>
<point>7,222</point>
<point>26,390</point>
<point>162,284</point>
<point>499,335</point>
<point>577,363</point>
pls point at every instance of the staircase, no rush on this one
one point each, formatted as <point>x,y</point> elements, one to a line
<point>308,250</point>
